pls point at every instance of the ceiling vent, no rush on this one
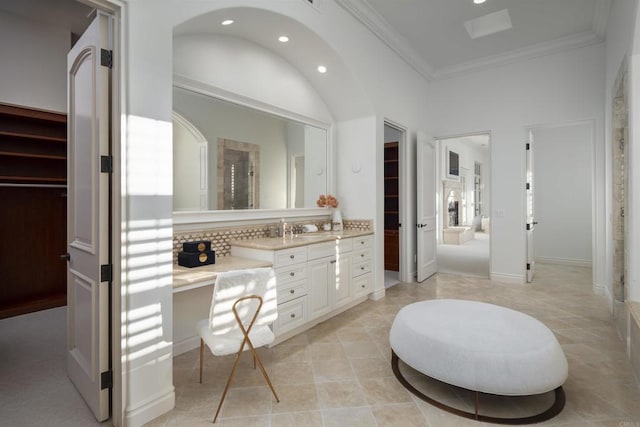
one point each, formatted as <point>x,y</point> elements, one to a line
<point>488,24</point>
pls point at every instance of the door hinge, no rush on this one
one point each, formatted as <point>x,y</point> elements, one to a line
<point>106,164</point>
<point>528,266</point>
<point>106,272</point>
<point>528,146</point>
<point>106,58</point>
<point>528,227</point>
<point>106,379</point>
<point>528,186</point>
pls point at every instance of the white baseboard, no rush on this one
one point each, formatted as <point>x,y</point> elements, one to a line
<point>151,410</point>
<point>377,295</point>
<point>565,261</point>
<point>508,278</point>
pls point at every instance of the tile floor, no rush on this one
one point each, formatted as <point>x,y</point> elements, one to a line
<point>338,373</point>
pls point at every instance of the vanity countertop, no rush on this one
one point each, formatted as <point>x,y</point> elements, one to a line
<point>277,243</point>
<point>185,278</point>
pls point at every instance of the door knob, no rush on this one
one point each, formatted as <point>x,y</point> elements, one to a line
<point>66,256</point>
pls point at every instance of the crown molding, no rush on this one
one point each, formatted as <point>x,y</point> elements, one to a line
<point>541,49</point>
<point>363,12</point>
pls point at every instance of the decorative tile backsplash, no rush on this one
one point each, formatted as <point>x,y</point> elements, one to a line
<point>220,237</point>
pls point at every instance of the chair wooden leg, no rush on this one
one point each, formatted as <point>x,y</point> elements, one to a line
<point>201,357</point>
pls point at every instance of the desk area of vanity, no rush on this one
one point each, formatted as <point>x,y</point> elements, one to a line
<point>318,276</point>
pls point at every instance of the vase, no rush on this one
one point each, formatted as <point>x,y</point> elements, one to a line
<point>336,219</point>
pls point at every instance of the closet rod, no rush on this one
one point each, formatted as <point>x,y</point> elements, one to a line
<point>4,184</point>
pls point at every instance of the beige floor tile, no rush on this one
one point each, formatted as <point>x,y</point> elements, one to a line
<point>297,419</point>
<point>332,370</point>
<point>247,401</point>
<point>296,398</point>
<point>382,391</point>
<point>352,417</point>
<point>399,414</point>
<point>343,394</point>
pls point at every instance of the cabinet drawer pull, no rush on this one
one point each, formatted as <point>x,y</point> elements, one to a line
<point>292,256</point>
<point>361,255</point>
<point>333,262</point>
<point>362,268</point>
<point>292,291</point>
<point>293,315</point>
<point>292,274</point>
<point>363,286</point>
<point>362,242</point>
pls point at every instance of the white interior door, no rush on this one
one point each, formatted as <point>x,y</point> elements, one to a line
<point>531,263</point>
<point>426,205</point>
<point>88,217</point>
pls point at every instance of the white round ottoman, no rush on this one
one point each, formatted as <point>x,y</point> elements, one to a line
<point>481,347</point>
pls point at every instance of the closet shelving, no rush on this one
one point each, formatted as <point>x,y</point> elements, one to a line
<point>33,177</point>
<point>391,207</point>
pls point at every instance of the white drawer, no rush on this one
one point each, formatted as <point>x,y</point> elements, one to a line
<point>291,256</point>
<point>291,291</point>
<point>359,255</point>
<point>333,248</point>
<point>362,242</point>
<point>322,250</point>
<point>291,315</point>
<point>291,274</point>
<point>361,285</point>
<point>361,268</point>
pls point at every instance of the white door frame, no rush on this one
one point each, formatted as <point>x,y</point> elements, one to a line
<point>595,217</point>
<point>405,274</point>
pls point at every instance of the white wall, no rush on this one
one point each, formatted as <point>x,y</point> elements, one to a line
<point>33,64</point>
<point>562,181</point>
<point>506,100</point>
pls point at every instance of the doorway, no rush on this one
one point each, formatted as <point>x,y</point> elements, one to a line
<point>563,186</point>
<point>463,193</point>
<point>48,36</point>
<point>393,139</point>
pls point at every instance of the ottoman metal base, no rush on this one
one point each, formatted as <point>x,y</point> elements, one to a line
<point>551,412</point>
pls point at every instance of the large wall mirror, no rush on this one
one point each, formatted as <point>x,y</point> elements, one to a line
<point>232,157</point>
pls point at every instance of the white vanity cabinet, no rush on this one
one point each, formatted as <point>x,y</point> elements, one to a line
<point>329,276</point>
<point>314,280</point>
<point>361,266</point>
<point>290,266</point>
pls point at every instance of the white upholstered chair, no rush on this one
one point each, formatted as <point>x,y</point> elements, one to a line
<point>243,306</point>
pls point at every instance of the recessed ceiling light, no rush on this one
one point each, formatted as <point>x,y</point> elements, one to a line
<point>227,22</point>
<point>322,69</point>
<point>283,39</point>
<point>479,1</point>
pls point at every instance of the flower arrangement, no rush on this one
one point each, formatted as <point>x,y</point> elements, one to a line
<point>327,200</point>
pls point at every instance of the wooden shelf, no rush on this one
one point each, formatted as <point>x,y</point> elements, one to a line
<point>33,136</point>
<point>33,156</point>
<point>33,164</point>
<point>20,179</point>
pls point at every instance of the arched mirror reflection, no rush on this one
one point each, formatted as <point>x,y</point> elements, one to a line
<point>228,156</point>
